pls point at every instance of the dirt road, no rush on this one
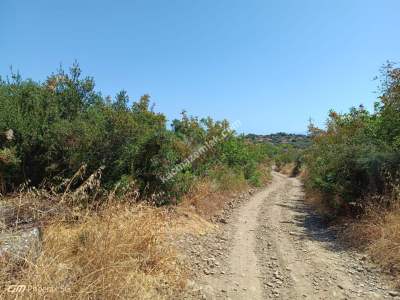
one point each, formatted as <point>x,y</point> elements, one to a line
<point>274,247</point>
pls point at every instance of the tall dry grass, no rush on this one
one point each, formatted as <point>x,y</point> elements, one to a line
<point>377,233</point>
<point>119,252</point>
<point>207,199</point>
<point>100,246</point>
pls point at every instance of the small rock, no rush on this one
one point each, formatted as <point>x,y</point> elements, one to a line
<point>18,245</point>
<point>208,292</point>
<point>364,257</point>
<point>394,293</point>
<point>7,216</point>
<point>223,220</point>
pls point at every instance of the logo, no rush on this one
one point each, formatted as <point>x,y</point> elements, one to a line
<point>17,288</point>
<point>22,288</point>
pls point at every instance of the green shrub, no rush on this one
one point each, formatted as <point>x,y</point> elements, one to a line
<point>349,159</point>
<point>63,124</point>
<point>228,179</point>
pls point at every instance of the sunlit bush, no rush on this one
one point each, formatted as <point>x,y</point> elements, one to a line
<point>50,130</point>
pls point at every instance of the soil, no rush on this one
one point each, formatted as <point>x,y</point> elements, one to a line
<point>271,245</point>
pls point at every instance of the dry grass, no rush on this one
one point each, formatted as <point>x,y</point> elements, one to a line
<point>290,169</point>
<point>287,169</point>
<point>207,199</point>
<point>120,252</point>
<point>378,233</point>
<point>204,199</point>
<point>34,208</point>
<point>114,250</point>
<point>187,221</point>
<point>318,201</point>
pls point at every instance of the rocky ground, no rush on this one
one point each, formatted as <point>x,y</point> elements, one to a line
<point>18,238</point>
<point>270,245</point>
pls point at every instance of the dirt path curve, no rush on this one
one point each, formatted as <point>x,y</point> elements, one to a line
<point>278,249</point>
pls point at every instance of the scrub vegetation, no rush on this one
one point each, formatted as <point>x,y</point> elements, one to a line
<point>352,172</point>
<point>94,173</point>
<point>51,130</point>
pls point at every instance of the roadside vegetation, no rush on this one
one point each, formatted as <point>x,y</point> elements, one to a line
<point>289,159</point>
<point>51,130</point>
<point>100,176</point>
<point>285,149</point>
<point>352,173</point>
<point>108,179</point>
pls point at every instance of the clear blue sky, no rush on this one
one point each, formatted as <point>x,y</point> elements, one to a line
<point>270,64</point>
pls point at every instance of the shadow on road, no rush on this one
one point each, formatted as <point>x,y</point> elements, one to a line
<point>312,226</point>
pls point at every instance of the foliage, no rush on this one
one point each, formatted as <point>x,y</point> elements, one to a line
<point>287,154</point>
<point>352,158</point>
<point>300,141</point>
<point>62,124</point>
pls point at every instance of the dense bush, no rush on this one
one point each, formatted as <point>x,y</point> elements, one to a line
<point>49,130</point>
<point>288,154</point>
<point>354,157</point>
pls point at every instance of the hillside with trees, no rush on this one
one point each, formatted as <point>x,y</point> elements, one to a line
<point>300,141</point>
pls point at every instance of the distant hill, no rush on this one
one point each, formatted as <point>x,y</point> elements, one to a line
<point>297,140</point>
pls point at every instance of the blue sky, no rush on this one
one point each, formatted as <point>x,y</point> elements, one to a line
<point>271,65</point>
